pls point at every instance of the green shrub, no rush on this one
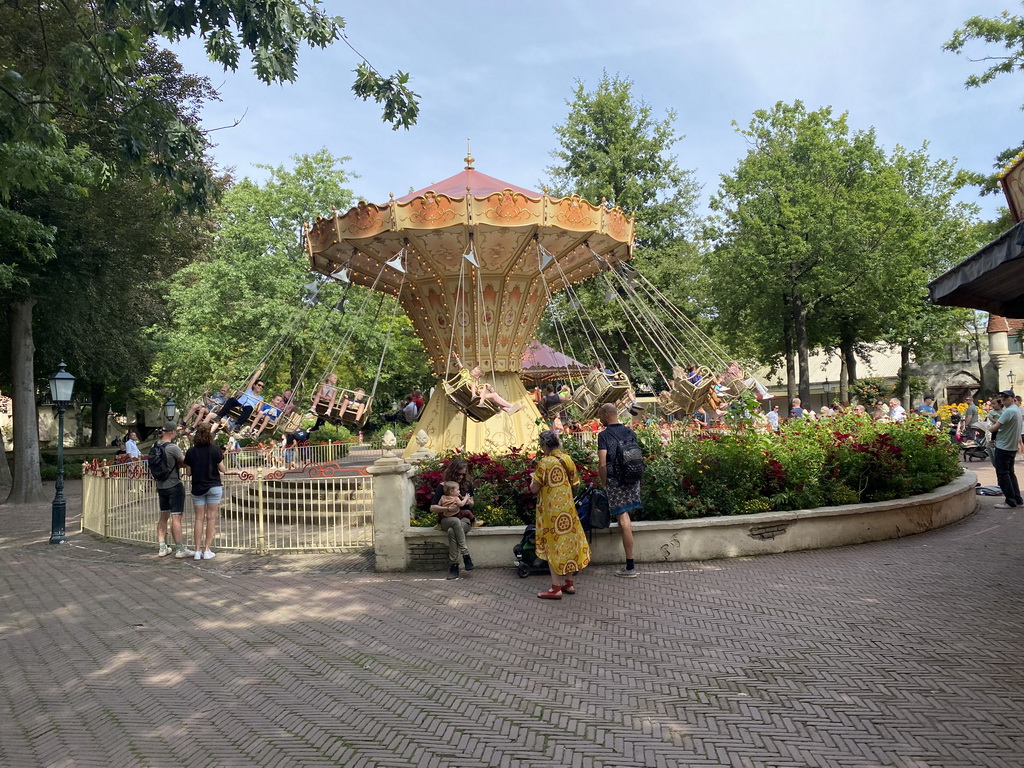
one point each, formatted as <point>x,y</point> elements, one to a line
<point>72,471</point>
<point>843,460</point>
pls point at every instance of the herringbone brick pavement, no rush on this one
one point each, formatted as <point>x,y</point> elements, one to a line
<point>903,653</point>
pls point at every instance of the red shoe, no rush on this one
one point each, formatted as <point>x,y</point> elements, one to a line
<point>555,593</point>
<point>568,587</point>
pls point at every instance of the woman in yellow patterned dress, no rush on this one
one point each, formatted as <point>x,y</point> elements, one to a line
<point>560,537</point>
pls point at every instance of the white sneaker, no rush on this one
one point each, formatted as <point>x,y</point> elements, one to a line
<point>207,555</point>
<point>627,573</point>
<point>184,552</point>
<point>199,555</point>
<point>164,550</point>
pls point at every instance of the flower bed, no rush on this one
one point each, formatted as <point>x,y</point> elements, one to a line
<point>842,460</point>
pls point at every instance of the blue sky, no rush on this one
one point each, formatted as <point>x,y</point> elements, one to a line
<point>500,74</point>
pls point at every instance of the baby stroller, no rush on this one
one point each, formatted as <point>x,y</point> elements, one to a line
<point>592,508</point>
<point>974,447</point>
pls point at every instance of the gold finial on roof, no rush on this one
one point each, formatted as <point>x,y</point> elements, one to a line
<point>469,157</point>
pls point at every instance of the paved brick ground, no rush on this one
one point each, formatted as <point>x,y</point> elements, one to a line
<point>903,653</point>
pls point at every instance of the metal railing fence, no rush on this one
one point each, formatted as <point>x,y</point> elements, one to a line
<point>313,507</point>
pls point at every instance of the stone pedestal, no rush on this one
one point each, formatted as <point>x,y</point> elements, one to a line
<point>393,495</point>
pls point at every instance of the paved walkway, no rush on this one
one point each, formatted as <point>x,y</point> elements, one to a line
<point>904,653</point>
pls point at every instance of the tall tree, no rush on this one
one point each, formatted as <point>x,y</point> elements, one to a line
<point>78,255</point>
<point>941,230</point>
<point>822,238</point>
<point>61,66</point>
<point>614,150</point>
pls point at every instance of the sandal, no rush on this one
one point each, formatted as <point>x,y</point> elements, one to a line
<point>568,587</point>
<point>555,593</point>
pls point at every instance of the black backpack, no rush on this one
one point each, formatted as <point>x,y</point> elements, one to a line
<point>629,461</point>
<point>159,467</point>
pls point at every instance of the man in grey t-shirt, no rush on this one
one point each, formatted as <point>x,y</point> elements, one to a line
<point>970,416</point>
<point>1006,436</point>
<point>171,493</point>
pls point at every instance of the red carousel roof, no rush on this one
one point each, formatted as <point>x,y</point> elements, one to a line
<point>480,185</point>
<point>539,355</point>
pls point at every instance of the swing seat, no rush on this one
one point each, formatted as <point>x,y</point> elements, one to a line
<point>459,389</point>
<point>598,388</point>
<point>688,396</point>
<point>236,412</point>
<point>715,401</point>
<point>667,405</point>
<point>351,416</point>
<point>286,423</point>
<point>736,387</point>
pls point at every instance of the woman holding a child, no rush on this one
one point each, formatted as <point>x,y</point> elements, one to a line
<point>455,512</point>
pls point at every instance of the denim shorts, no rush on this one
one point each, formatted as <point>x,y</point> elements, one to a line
<point>172,499</point>
<point>212,496</point>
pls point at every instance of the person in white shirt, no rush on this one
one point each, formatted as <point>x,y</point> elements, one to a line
<point>131,445</point>
<point>896,411</point>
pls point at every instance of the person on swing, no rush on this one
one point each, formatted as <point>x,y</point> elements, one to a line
<point>485,392</point>
<point>356,403</point>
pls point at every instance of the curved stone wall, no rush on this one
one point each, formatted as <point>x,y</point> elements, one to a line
<point>740,536</point>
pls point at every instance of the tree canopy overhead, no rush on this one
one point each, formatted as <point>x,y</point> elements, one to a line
<point>1008,30</point>
<point>613,148</point>
<point>90,106</point>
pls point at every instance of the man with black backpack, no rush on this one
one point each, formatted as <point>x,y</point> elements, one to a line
<point>621,467</point>
<point>165,461</point>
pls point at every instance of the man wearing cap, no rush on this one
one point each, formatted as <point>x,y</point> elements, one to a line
<point>1006,434</point>
<point>171,493</point>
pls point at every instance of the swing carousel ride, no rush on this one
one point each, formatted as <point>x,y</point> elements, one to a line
<point>475,262</point>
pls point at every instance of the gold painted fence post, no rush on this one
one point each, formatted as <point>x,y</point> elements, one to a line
<point>261,534</point>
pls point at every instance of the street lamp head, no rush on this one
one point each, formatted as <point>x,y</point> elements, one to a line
<point>170,408</point>
<point>62,384</point>
<point>827,387</point>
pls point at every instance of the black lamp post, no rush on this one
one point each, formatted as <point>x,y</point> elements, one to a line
<point>170,409</point>
<point>62,384</point>
<point>1011,377</point>
<point>827,389</point>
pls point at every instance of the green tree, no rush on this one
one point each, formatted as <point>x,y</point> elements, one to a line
<point>242,302</point>
<point>1007,30</point>
<point>941,230</point>
<point>80,106</point>
<point>824,241</point>
<point>614,150</point>
<point>76,219</point>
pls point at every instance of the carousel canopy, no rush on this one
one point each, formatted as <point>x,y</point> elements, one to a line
<point>542,363</point>
<point>473,269</point>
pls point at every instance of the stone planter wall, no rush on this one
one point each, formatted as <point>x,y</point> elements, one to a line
<point>717,537</point>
